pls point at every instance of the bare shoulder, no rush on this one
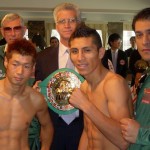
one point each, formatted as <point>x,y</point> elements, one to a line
<point>115,87</point>
<point>83,86</point>
<point>114,81</point>
<point>36,97</point>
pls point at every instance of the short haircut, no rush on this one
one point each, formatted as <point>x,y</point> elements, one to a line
<point>84,31</point>
<point>22,47</point>
<point>66,6</point>
<point>132,38</point>
<point>113,37</point>
<point>144,14</point>
<point>52,38</point>
<point>11,17</point>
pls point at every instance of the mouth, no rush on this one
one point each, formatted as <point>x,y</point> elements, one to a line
<point>18,79</point>
<point>146,50</point>
<point>81,66</point>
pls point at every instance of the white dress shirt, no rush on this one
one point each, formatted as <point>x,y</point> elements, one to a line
<point>63,59</point>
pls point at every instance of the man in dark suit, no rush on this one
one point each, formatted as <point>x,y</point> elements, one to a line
<point>67,130</point>
<point>132,48</point>
<point>116,56</point>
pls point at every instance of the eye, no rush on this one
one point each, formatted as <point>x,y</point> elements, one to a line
<point>73,51</point>
<point>138,35</point>
<point>27,66</point>
<point>87,50</point>
<point>14,64</point>
<point>61,21</point>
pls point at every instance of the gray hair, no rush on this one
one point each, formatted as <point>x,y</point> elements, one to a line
<point>11,17</point>
<point>66,6</point>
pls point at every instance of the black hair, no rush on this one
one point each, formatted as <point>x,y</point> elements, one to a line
<point>113,37</point>
<point>22,47</point>
<point>84,31</point>
<point>144,14</point>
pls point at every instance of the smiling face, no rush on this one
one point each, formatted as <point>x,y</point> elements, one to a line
<point>85,55</point>
<point>142,31</point>
<point>19,69</point>
<point>13,30</point>
<point>66,27</point>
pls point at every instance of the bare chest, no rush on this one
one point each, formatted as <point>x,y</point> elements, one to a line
<point>15,114</point>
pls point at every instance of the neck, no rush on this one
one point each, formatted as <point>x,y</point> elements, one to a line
<point>96,77</point>
<point>13,89</point>
<point>64,42</point>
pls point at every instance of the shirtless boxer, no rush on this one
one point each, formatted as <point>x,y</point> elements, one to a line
<point>19,103</point>
<point>104,97</point>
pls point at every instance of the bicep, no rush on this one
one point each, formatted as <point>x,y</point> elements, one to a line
<point>42,113</point>
<point>118,98</point>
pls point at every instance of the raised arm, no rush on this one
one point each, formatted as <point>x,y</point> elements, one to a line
<point>117,94</point>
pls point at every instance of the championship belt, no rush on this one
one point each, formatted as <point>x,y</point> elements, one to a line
<point>57,89</point>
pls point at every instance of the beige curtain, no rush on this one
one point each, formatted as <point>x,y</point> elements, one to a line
<point>103,28</point>
<point>49,27</point>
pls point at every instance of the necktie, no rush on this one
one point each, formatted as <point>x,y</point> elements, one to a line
<point>69,63</point>
<point>69,118</point>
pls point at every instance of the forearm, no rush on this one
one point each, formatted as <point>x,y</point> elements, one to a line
<point>143,137</point>
<point>46,137</point>
<point>110,128</point>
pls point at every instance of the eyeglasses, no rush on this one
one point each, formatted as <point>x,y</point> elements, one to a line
<point>15,29</point>
<point>64,21</point>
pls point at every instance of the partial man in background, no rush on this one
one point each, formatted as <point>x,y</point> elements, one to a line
<point>137,131</point>
<point>12,29</point>
<point>104,96</point>
<point>132,48</point>
<point>67,128</point>
<point>116,56</point>
<point>19,103</point>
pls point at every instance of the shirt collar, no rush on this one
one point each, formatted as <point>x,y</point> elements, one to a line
<point>116,51</point>
<point>62,49</point>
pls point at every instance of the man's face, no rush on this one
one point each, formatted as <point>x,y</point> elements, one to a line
<point>66,24</point>
<point>19,69</point>
<point>85,55</point>
<point>54,43</point>
<point>142,32</point>
<point>116,44</point>
<point>13,30</point>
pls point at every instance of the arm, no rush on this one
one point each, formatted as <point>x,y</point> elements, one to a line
<point>46,125</point>
<point>118,107</point>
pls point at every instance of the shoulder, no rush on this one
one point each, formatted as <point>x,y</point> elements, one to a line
<point>2,50</point>
<point>114,82</point>
<point>36,97</point>
<point>49,51</point>
<point>84,86</point>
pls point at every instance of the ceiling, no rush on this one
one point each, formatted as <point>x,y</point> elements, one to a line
<point>95,11</point>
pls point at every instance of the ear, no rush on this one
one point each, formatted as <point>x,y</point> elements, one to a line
<point>2,31</point>
<point>5,62</point>
<point>101,52</point>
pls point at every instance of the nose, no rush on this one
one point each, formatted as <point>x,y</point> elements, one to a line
<point>67,23</point>
<point>80,55</point>
<point>19,69</point>
<point>12,32</point>
<point>146,39</point>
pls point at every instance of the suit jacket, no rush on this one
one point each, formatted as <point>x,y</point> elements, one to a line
<point>122,62</point>
<point>47,63</point>
<point>129,51</point>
